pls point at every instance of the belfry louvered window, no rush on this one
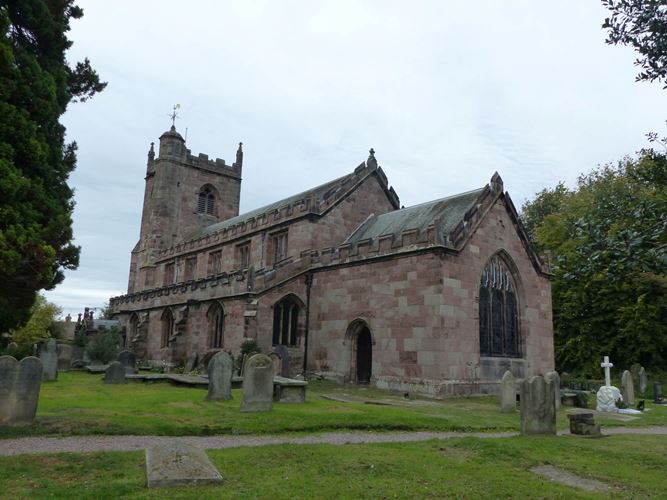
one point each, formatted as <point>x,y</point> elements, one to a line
<point>498,316</point>
<point>206,200</point>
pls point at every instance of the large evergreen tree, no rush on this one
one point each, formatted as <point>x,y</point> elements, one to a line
<point>36,85</point>
<point>608,238</point>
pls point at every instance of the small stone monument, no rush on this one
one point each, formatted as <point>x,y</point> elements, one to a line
<point>220,371</point>
<point>555,378</point>
<point>607,395</point>
<point>657,393</point>
<point>628,385</point>
<point>508,393</point>
<point>634,370</point>
<point>128,360</point>
<point>642,381</point>
<point>12,347</point>
<point>48,355</point>
<point>277,362</point>
<point>179,464</point>
<point>283,352</point>
<point>115,373</point>
<point>190,363</point>
<point>20,383</point>
<point>538,408</point>
<point>583,424</point>
<point>258,384</point>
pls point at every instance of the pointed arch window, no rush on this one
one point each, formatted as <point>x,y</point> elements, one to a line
<point>206,200</point>
<point>498,312</point>
<point>167,327</point>
<point>286,322</point>
<point>216,322</point>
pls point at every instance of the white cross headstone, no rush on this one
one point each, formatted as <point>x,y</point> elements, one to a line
<point>607,376</point>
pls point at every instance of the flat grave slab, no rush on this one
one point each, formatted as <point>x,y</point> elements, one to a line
<point>568,479</point>
<point>179,464</point>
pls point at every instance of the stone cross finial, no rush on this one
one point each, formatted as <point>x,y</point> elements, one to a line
<point>607,376</point>
<point>151,152</point>
<point>371,152</point>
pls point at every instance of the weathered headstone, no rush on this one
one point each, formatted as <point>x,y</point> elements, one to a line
<point>244,361</point>
<point>64,357</point>
<point>48,355</point>
<point>258,384</point>
<point>583,424</point>
<point>634,369</point>
<point>115,373</point>
<point>642,381</point>
<point>20,383</point>
<point>508,393</point>
<point>220,371</point>
<point>190,363</point>
<point>538,409</point>
<point>277,362</point>
<point>628,385</point>
<point>128,360</point>
<point>657,393</point>
<point>179,464</point>
<point>564,380</point>
<point>12,347</point>
<point>283,352</point>
<point>555,378</point>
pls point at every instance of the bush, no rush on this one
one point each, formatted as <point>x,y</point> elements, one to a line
<point>249,346</point>
<point>104,346</point>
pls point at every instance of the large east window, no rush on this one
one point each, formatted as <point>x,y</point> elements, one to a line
<point>498,316</point>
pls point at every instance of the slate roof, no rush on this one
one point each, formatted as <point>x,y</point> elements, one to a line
<point>319,193</point>
<point>447,213</point>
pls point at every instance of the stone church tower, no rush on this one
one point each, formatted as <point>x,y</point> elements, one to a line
<point>183,195</point>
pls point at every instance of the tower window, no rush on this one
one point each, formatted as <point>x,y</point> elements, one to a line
<point>215,262</point>
<point>206,200</point>
<point>243,255</point>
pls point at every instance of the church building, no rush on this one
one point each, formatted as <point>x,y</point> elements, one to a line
<point>439,298</point>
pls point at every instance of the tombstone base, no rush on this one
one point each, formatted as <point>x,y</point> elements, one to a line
<point>582,424</point>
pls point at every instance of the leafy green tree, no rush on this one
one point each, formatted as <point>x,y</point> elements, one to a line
<point>36,85</point>
<point>609,242</point>
<point>39,326</point>
<point>642,24</point>
<point>104,345</point>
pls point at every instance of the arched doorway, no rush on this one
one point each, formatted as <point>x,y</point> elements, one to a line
<point>364,356</point>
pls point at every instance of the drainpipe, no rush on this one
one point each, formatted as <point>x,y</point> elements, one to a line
<point>309,284</point>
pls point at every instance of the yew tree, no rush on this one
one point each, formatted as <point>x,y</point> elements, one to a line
<point>36,85</point>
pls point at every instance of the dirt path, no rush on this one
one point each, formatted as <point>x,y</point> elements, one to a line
<point>83,444</point>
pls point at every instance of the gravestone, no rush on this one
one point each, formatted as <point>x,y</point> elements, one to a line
<point>508,393</point>
<point>128,360</point>
<point>277,362</point>
<point>20,383</point>
<point>657,393</point>
<point>244,361</point>
<point>179,464</point>
<point>48,355</point>
<point>628,385</point>
<point>583,424</point>
<point>220,371</point>
<point>64,357</point>
<point>555,378</point>
<point>12,347</point>
<point>190,363</point>
<point>283,352</point>
<point>538,409</point>
<point>565,380</point>
<point>115,373</point>
<point>634,370</point>
<point>607,395</point>
<point>258,384</point>
<point>642,381</point>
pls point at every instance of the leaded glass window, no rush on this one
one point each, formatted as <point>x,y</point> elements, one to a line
<point>498,313</point>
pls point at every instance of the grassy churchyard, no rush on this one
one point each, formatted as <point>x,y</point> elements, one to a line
<point>81,404</point>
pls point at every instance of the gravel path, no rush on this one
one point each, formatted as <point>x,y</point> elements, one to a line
<point>82,444</point>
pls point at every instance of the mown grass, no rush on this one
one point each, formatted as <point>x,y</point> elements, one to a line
<point>80,403</point>
<point>634,466</point>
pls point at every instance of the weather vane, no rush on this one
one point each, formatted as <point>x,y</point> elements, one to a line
<point>173,115</point>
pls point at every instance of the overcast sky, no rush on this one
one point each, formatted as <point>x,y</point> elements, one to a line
<point>446,92</point>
